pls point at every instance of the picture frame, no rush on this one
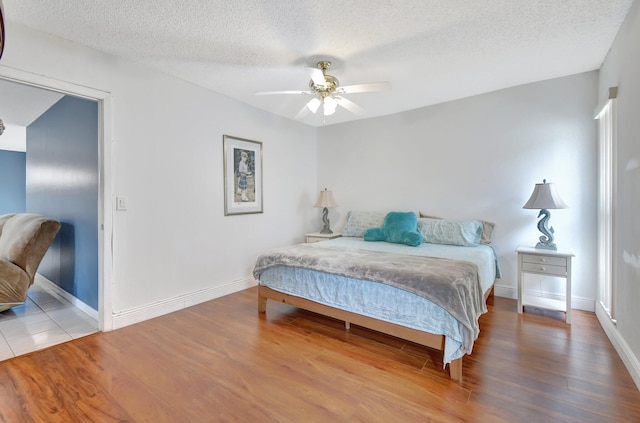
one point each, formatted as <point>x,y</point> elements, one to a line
<point>242,175</point>
<point>1,29</point>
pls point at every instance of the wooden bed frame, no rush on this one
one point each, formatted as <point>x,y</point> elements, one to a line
<point>419,337</point>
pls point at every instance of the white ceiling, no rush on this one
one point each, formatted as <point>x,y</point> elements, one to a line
<point>430,50</point>
<point>20,104</point>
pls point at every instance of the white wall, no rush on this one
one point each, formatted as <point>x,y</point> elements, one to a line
<point>168,164</point>
<point>479,157</point>
<point>174,246</point>
<point>622,69</point>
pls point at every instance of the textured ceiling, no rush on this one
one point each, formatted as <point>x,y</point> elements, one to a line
<point>430,50</point>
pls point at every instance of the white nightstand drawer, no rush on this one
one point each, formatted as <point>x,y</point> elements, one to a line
<point>553,261</point>
<point>545,268</point>
<point>317,237</point>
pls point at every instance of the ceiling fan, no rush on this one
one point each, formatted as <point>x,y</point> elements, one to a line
<point>327,92</point>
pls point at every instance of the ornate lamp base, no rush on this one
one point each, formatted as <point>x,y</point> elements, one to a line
<point>546,246</point>
<point>546,240</point>
<point>325,221</point>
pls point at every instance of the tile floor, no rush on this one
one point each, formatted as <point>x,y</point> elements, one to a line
<point>45,319</point>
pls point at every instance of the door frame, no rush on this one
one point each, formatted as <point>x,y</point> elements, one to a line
<point>105,208</point>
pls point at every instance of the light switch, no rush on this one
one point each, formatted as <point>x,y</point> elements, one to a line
<point>121,203</point>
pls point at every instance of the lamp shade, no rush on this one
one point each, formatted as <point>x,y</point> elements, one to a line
<point>545,196</point>
<point>325,199</point>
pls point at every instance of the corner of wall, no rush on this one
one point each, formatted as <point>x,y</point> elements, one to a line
<point>622,348</point>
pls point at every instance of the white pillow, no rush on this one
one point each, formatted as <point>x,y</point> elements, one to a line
<point>466,233</point>
<point>487,227</point>
<point>360,221</point>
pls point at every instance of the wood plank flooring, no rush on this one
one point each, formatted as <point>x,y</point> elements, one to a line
<point>221,362</point>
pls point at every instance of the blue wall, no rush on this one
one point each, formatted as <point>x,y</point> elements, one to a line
<point>62,183</point>
<point>12,182</point>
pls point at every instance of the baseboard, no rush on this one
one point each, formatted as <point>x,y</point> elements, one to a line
<point>56,290</point>
<point>505,291</point>
<point>578,303</point>
<point>150,311</point>
<point>622,348</point>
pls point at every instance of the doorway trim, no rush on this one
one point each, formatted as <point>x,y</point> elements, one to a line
<point>105,209</point>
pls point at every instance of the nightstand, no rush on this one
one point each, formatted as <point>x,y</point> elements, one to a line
<point>317,236</point>
<point>545,262</point>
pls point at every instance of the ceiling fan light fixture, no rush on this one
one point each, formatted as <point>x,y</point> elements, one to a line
<point>325,87</point>
<point>314,104</point>
<point>330,105</point>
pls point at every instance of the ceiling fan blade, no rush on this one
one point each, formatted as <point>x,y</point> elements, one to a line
<point>316,76</point>
<point>283,92</point>
<point>349,105</point>
<point>303,112</point>
<point>363,88</point>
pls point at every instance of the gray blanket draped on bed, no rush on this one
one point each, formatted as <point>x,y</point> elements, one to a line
<point>451,284</point>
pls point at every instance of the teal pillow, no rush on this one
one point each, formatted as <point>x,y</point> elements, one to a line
<point>399,228</point>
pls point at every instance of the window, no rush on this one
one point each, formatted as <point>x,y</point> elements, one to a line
<point>606,193</point>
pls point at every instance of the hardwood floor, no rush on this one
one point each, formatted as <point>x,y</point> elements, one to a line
<point>220,361</point>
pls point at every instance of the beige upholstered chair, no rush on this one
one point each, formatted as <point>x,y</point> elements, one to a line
<point>24,239</point>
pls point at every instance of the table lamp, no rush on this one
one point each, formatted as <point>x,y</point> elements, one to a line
<point>545,197</point>
<point>325,200</point>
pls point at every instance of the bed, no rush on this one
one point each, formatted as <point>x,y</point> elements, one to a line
<point>432,294</point>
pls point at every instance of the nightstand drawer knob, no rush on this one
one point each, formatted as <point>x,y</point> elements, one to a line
<point>543,260</point>
<point>543,268</point>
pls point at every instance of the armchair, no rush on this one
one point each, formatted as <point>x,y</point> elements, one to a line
<point>24,239</point>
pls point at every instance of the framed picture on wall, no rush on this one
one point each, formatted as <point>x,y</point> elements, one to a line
<point>1,28</point>
<point>242,175</point>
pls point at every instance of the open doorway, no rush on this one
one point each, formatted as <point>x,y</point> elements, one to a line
<point>64,180</point>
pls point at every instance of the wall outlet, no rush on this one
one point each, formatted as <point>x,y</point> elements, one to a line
<point>121,203</point>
